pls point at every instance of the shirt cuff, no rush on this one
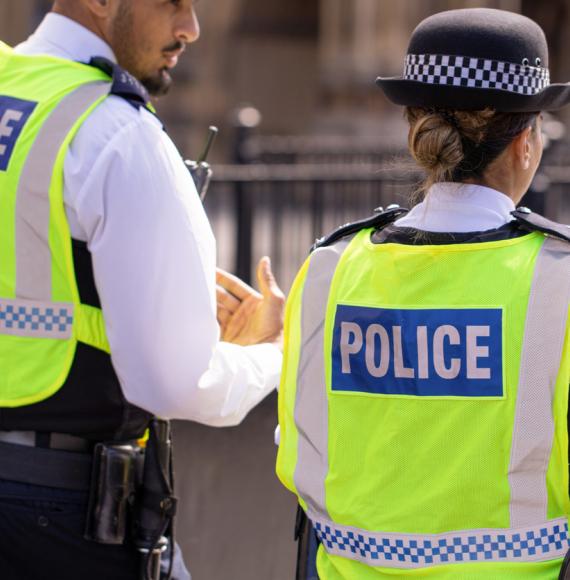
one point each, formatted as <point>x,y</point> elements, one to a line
<point>238,378</point>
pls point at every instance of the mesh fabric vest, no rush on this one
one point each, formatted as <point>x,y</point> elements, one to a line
<point>43,102</point>
<point>423,408</point>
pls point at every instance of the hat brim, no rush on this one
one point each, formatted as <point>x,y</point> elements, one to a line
<point>417,94</point>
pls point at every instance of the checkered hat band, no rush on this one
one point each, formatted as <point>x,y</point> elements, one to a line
<point>546,542</point>
<point>36,319</point>
<point>464,71</point>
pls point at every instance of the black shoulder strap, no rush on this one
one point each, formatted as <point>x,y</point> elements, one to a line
<point>379,219</point>
<point>124,85</point>
<point>534,222</point>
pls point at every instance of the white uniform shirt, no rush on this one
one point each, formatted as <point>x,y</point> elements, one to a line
<point>457,207</point>
<point>129,195</point>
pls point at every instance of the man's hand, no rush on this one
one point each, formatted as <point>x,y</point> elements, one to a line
<point>246,316</point>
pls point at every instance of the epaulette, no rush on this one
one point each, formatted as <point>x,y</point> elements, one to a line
<point>534,222</point>
<point>379,219</point>
<point>124,85</point>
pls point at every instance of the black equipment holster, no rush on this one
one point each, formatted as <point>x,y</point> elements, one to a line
<point>565,570</point>
<point>307,546</point>
<point>132,498</point>
<point>112,490</point>
<point>155,504</point>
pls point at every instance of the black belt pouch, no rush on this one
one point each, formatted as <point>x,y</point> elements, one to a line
<point>112,490</point>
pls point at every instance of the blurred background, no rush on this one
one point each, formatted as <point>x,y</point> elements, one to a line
<point>306,143</point>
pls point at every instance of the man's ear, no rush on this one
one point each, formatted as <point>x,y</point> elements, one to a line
<point>522,148</point>
<point>98,8</point>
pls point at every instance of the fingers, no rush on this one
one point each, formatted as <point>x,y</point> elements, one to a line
<point>233,329</point>
<point>224,317</point>
<point>234,285</point>
<point>226,300</point>
<point>227,305</point>
<point>239,320</point>
<point>266,280</point>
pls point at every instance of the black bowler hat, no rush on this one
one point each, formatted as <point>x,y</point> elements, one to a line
<point>477,58</point>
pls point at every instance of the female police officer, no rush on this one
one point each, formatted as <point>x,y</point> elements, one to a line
<point>425,391</point>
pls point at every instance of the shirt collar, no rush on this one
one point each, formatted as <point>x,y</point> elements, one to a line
<point>60,36</point>
<point>459,207</point>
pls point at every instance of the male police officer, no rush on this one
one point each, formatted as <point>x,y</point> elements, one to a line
<point>98,215</point>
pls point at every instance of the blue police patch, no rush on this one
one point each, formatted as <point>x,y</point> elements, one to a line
<point>13,116</point>
<point>418,352</point>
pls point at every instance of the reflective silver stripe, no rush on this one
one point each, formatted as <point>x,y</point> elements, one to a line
<point>33,257</point>
<point>311,405</point>
<point>544,334</point>
<point>547,541</point>
<point>36,319</point>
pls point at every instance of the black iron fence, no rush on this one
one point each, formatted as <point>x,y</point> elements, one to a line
<point>285,192</point>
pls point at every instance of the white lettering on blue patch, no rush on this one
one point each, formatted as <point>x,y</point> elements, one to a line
<point>13,116</point>
<point>420,352</point>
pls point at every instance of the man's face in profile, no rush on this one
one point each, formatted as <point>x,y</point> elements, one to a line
<point>148,36</point>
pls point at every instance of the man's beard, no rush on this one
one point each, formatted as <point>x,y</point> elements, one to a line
<point>158,84</point>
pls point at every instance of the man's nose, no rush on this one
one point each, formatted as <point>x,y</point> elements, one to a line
<point>187,28</point>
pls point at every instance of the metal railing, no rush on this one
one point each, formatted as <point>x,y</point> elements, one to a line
<point>299,192</point>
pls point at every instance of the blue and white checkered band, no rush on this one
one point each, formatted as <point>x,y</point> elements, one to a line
<point>36,319</point>
<point>532,544</point>
<point>464,71</point>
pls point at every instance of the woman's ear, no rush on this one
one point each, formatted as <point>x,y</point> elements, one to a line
<point>523,149</point>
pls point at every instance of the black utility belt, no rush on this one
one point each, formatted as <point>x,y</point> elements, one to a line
<point>46,467</point>
<point>129,488</point>
<point>111,475</point>
<point>48,440</point>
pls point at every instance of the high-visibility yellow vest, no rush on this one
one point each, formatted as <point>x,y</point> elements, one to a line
<point>423,408</point>
<point>43,102</point>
